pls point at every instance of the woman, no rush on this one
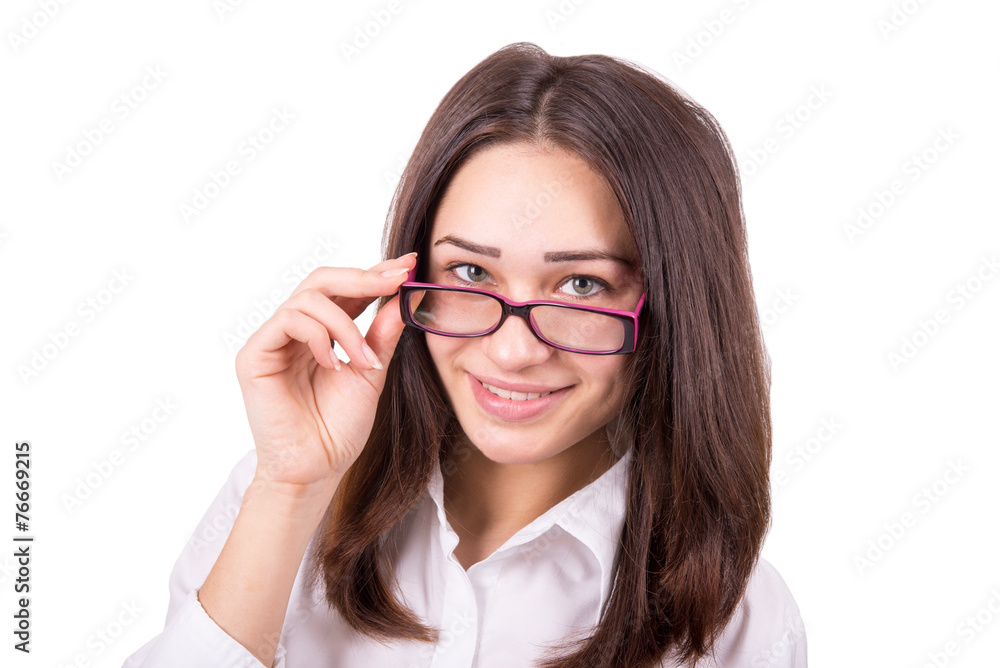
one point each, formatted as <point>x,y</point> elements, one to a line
<point>484,486</point>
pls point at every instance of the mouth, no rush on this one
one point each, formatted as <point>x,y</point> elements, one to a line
<point>514,404</point>
<point>514,396</point>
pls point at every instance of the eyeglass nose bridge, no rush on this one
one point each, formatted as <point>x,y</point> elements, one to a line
<point>523,311</point>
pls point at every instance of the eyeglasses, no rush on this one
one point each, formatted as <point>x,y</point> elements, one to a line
<point>469,312</point>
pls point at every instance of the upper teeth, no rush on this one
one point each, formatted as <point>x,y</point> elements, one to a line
<point>515,396</point>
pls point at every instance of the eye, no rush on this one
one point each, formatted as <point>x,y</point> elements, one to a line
<point>576,287</point>
<point>475,273</point>
<point>584,286</point>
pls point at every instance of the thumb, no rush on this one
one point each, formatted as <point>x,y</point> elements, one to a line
<point>384,332</point>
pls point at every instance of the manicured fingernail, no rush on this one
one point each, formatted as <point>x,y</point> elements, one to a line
<point>370,354</point>
<point>408,254</point>
<point>389,273</point>
<point>334,359</point>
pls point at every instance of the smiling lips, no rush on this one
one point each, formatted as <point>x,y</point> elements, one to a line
<point>514,396</point>
<point>514,404</point>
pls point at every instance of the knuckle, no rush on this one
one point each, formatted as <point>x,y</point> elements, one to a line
<point>302,295</point>
<point>312,299</point>
<point>284,315</point>
<point>242,362</point>
<point>319,330</point>
<point>317,275</point>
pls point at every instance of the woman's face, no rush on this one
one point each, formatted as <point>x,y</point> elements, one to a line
<point>506,209</point>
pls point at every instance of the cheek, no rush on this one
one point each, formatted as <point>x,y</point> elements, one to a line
<point>612,378</point>
<point>608,371</point>
<point>443,350</point>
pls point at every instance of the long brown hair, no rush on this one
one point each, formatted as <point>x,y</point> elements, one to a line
<point>698,500</point>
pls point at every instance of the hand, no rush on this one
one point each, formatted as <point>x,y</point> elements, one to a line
<point>311,414</point>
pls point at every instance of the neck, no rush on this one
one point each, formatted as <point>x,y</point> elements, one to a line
<point>487,502</point>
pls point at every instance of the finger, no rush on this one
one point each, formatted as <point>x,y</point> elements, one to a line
<point>354,289</point>
<point>339,325</point>
<point>287,325</point>
<point>385,330</point>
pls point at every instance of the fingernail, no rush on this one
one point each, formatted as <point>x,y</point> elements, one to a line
<point>389,273</point>
<point>370,354</point>
<point>334,359</point>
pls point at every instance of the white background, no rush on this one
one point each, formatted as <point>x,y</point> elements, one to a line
<point>866,97</point>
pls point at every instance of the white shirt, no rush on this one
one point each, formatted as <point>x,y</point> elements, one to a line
<point>550,579</point>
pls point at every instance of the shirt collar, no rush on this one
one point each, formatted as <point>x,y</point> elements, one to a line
<point>594,515</point>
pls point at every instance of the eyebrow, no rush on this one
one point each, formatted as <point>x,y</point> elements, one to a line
<point>553,256</point>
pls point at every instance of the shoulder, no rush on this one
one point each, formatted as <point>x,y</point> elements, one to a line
<point>768,593</point>
<point>766,631</point>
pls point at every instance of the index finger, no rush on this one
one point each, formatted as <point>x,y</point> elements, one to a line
<point>354,289</point>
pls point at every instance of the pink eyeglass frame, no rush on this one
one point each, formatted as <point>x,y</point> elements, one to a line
<point>629,319</point>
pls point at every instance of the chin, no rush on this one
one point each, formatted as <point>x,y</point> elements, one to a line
<point>502,445</point>
<point>515,455</point>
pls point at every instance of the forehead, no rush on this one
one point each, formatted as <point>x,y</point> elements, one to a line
<point>526,200</point>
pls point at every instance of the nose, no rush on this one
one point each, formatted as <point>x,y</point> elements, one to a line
<point>515,346</point>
